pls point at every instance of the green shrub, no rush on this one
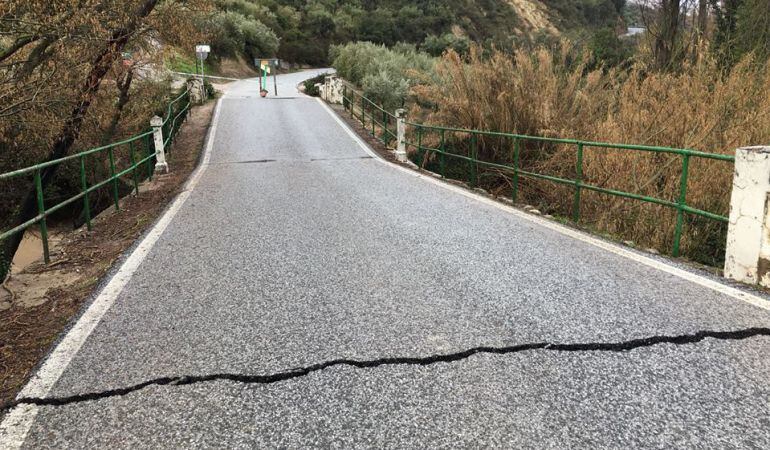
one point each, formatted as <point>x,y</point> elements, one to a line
<point>236,33</point>
<point>310,85</point>
<point>385,75</point>
<point>437,45</point>
<point>608,49</point>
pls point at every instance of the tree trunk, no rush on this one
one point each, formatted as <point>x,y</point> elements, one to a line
<point>124,85</point>
<point>71,129</point>
<point>703,19</point>
<point>668,32</point>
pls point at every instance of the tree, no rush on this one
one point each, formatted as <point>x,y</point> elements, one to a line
<point>743,26</point>
<point>666,33</point>
<point>726,13</point>
<point>51,74</point>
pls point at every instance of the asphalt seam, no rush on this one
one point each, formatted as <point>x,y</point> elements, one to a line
<point>263,161</point>
<point>186,380</point>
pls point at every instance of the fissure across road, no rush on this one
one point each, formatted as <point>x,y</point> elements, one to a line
<point>311,250</point>
<point>185,380</point>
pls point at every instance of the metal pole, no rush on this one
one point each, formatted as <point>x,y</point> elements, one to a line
<point>41,212</point>
<point>113,170</point>
<point>578,184</point>
<point>84,184</point>
<point>681,203</point>
<point>275,82</point>
<point>203,79</point>
<point>516,153</point>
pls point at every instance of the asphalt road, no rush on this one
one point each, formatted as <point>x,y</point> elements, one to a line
<point>321,253</point>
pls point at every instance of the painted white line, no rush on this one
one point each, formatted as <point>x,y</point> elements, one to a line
<point>576,234</point>
<point>18,421</point>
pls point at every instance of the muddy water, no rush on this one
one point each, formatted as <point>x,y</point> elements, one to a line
<point>31,249</point>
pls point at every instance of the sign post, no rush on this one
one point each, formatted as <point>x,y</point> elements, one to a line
<point>266,67</point>
<point>202,52</point>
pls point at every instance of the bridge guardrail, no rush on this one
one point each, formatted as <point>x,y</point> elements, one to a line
<point>386,120</point>
<point>175,113</point>
<point>578,183</point>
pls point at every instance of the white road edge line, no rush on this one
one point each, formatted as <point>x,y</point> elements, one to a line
<point>579,235</point>
<point>18,421</point>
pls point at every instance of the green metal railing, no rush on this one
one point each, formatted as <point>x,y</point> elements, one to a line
<point>141,154</point>
<point>578,182</point>
<point>377,115</point>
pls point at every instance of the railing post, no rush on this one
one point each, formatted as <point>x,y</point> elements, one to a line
<point>86,200</point>
<point>160,154</point>
<point>515,187</point>
<point>473,153</point>
<point>681,203</point>
<point>578,183</point>
<point>747,258</point>
<point>363,112</point>
<point>442,156</point>
<point>401,135</point>
<point>41,212</point>
<point>149,153</point>
<point>384,126</point>
<point>134,167</point>
<point>374,130</point>
<point>115,193</point>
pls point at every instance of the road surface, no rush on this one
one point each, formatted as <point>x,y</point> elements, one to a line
<point>296,247</point>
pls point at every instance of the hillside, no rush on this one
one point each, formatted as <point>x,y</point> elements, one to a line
<point>302,31</point>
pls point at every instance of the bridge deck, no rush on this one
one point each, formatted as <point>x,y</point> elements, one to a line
<point>296,247</point>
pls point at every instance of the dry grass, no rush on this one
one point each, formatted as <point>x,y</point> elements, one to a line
<point>552,93</point>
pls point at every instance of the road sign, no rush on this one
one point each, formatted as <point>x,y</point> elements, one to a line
<point>202,51</point>
<point>270,62</point>
<point>267,66</point>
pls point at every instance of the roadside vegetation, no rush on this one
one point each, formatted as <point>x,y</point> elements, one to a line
<point>693,82</point>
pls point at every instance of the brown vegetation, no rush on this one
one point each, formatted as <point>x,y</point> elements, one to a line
<point>554,94</point>
<point>74,75</point>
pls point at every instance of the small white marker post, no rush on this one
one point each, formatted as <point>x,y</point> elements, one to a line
<point>748,237</point>
<point>401,135</point>
<point>160,153</point>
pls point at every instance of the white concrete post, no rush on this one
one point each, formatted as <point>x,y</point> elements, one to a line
<point>748,237</point>
<point>326,88</point>
<point>332,90</point>
<point>160,153</point>
<point>401,135</point>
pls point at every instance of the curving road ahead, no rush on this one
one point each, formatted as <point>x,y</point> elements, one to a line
<point>296,247</point>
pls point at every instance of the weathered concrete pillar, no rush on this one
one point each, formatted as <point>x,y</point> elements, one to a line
<point>326,88</point>
<point>331,90</point>
<point>160,153</point>
<point>748,236</point>
<point>401,135</point>
<point>197,91</point>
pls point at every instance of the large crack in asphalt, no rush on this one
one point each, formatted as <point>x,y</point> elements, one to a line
<point>291,374</point>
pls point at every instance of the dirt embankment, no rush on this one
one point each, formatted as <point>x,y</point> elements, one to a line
<point>37,303</point>
<point>236,68</point>
<point>534,15</point>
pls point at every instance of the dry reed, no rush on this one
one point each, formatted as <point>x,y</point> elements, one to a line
<point>553,93</point>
